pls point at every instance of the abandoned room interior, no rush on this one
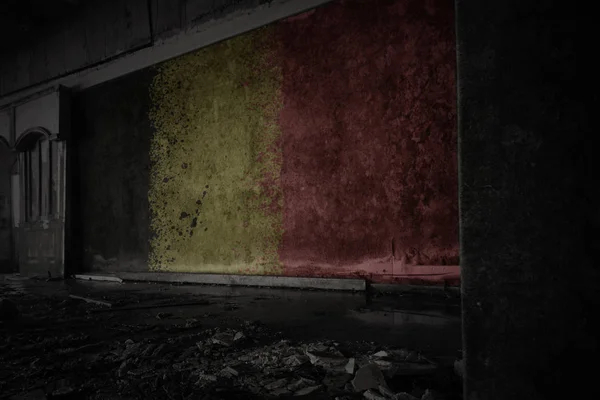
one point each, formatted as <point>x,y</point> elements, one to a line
<point>324,199</point>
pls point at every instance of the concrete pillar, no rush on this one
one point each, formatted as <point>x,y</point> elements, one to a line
<point>529,220</point>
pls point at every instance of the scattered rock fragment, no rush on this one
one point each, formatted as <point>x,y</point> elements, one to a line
<point>405,396</point>
<point>159,351</point>
<point>307,390</point>
<point>147,352</point>
<point>227,338</point>
<point>330,360</point>
<point>124,368</point>
<point>350,366</point>
<point>192,323</point>
<point>277,384</point>
<point>229,372</point>
<point>295,360</point>
<point>280,392</point>
<point>384,390</point>
<point>205,378</point>
<point>223,339</point>
<point>300,384</point>
<point>336,380</point>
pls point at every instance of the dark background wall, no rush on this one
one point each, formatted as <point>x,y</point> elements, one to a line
<point>529,200</point>
<point>110,181</point>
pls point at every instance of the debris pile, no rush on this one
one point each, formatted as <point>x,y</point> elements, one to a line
<point>86,351</point>
<point>234,358</point>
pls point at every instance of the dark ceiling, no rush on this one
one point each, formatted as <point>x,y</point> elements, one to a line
<point>20,20</point>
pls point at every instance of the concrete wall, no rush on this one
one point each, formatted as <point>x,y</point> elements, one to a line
<point>89,34</point>
<point>529,201</point>
<point>369,150</point>
<point>5,128</point>
<point>111,174</point>
<point>41,112</point>
<point>309,147</point>
<point>97,40</point>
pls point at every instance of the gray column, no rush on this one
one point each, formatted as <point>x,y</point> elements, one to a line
<point>529,220</point>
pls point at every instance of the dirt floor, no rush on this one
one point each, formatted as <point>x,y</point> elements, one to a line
<point>158,341</point>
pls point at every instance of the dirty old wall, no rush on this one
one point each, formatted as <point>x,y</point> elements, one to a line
<point>369,167</point>
<point>320,145</point>
<point>324,144</point>
<point>110,174</point>
<point>215,193</point>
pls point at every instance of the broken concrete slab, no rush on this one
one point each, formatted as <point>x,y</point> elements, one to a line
<point>368,377</point>
<point>384,390</point>
<point>330,360</point>
<point>338,284</point>
<point>91,301</point>
<point>307,390</point>
<point>350,366</point>
<point>277,384</point>
<point>98,278</point>
<point>227,338</point>
<point>300,384</point>
<point>229,372</point>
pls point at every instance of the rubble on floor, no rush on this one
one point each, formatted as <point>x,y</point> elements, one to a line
<point>186,360</point>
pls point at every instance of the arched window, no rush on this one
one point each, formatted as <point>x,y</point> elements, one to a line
<point>41,181</point>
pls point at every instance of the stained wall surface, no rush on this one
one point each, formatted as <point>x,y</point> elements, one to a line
<point>321,145</point>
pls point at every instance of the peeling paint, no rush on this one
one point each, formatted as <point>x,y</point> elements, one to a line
<point>347,113</point>
<point>216,156</point>
<point>369,121</point>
